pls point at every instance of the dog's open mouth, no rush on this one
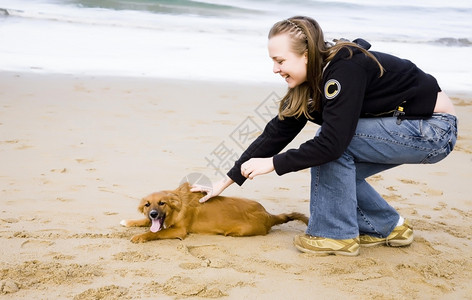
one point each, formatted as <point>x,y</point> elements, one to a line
<point>157,222</point>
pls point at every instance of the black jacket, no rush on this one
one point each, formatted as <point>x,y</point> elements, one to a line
<point>352,90</point>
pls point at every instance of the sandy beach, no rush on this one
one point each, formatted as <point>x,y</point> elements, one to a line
<point>78,153</point>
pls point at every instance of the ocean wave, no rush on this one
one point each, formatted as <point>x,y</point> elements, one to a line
<point>4,12</point>
<point>174,7</point>
<point>66,18</point>
<point>217,42</point>
<point>453,42</point>
<point>134,19</point>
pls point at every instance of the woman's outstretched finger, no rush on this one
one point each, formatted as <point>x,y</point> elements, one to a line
<point>200,188</point>
<point>205,199</point>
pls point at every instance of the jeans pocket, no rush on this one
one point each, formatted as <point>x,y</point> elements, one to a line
<point>443,135</point>
<point>434,130</point>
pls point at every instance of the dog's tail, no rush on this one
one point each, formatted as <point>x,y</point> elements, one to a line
<point>284,218</point>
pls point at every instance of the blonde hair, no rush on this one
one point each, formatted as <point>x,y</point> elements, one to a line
<point>307,37</point>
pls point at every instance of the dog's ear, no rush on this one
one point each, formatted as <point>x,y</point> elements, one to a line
<point>141,205</point>
<point>183,188</point>
<point>174,201</point>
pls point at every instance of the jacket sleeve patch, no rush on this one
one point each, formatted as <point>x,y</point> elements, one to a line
<point>332,88</point>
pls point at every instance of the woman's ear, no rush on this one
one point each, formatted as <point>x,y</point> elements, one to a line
<point>305,55</point>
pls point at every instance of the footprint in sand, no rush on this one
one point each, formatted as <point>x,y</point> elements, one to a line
<point>394,197</point>
<point>460,102</point>
<point>61,199</point>
<point>432,192</point>
<point>63,170</point>
<point>409,181</point>
<point>186,286</point>
<point>441,206</point>
<point>36,244</point>
<point>463,148</point>
<point>209,255</point>
<point>78,187</point>
<point>465,214</point>
<point>131,256</point>
<point>205,250</point>
<point>105,292</point>
<point>81,88</point>
<point>10,220</point>
<point>375,178</point>
<point>23,147</point>
<point>110,213</point>
<point>10,142</point>
<point>60,256</point>
<point>8,287</point>
<point>193,266</point>
<point>83,161</point>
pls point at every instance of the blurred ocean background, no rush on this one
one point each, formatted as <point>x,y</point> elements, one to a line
<point>223,40</point>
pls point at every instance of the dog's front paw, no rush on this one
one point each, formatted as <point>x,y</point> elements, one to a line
<point>140,238</point>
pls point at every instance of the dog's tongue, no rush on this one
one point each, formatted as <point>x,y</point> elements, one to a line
<point>156,225</point>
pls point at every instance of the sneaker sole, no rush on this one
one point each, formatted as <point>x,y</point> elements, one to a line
<point>391,243</point>
<point>374,244</point>
<point>400,243</point>
<point>329,252</point>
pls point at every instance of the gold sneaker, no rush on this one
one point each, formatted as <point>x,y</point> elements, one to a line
<point>324,246</point>
<point>401,236</point>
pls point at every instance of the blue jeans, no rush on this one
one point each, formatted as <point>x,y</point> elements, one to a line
<point>342,203</point>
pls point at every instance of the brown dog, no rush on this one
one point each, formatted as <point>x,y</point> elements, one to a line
<point>174,214</point>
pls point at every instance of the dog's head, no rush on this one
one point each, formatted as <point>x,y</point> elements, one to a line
<point>161,208</point>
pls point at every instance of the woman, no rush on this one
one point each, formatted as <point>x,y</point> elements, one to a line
<point>376,112</point>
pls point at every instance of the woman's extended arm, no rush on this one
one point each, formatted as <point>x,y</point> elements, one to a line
<point>276,135</point>
<point>257,159</point>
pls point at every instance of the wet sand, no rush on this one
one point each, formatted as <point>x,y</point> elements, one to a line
<point>77,154</point>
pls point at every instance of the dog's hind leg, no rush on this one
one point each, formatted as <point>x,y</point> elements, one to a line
<point>248,230</point>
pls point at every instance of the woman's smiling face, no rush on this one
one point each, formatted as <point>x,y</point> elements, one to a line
<point>290,65</point>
